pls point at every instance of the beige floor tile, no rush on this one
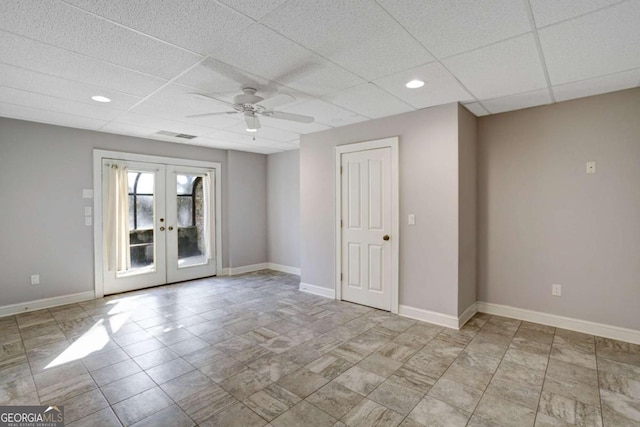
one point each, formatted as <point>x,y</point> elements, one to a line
<point>459,395</point>
<point>271,402</point>
<point>396,397</point>
<point>436,413</point>
<point>334,399</point>
<point>503,412</point>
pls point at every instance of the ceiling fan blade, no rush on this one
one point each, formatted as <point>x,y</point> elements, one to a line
<point>275,101</point>
<point>289,116</point>
<point>193,116</point>
<point>253,123</point>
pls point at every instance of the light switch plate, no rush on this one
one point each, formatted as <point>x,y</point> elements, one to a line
<point>412,219</point>
<point>88,211</point>
<point>87,193</point>
<point>556,290</point>
<point>591,167</point>
<point>88,220</point>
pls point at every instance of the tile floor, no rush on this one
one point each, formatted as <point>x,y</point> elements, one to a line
<point>252,350</point>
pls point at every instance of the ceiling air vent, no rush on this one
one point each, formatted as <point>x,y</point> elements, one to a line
<point>175,135</point>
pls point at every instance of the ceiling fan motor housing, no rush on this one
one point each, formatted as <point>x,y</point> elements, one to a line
<point>247,101</point>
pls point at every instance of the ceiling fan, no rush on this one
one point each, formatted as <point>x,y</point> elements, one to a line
<point>251,106</point>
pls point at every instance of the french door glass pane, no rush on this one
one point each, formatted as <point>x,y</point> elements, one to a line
<point>191,202</point>
<point>141,220</point>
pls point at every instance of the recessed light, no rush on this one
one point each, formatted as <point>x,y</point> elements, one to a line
<point>100,98</point>
<point>415,84</point>
<point>252,130</point>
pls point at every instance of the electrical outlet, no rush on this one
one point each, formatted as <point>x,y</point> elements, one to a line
<point>87,220</point>
<point>556,290</point>
<point>35,279</point>
<point>412,219</point>
<point>591,167</point>
<point>88,211</point>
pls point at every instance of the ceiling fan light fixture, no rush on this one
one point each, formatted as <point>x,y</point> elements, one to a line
<point>100,98</point>
<point>415,84</point>
<point>252,130</point>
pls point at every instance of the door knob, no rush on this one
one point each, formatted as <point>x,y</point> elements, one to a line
<point>161,219</point>
<point>170,227</point>
<point>161,228</point>
<point>385,237</point>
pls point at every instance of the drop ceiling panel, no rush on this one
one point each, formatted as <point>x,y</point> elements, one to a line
<point>43,116</point>
<point>276,58</point>
<point>222,79</point>
<point>214,143</point>
<point>19,78</point>
<point>370,101</point>
<point>129,129</point>
<point>159,123</point>
<point>256,9</point>
<point>357,34</point>
<point>324,112</point>
<point>243,137</point>
<point>64,26</point>
<point>440,86</point>
<point>187,24</point>
<point>286,147</point>
<point>263,150</point>
<point>476,108</point>
<point>175,102</point>
<point>611,83</point>
<point>50,103</point>
<point>266,132</point>
<point>597,44</point>
<point>546,12</point>
<point>293,127</point>
<point>518,101</point>
<point>505,68</point>
<point>450,27</point>
<point>47,59</point>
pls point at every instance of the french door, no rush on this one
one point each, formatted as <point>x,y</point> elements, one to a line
<point>159,224</point>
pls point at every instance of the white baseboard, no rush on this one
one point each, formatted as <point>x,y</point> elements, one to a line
<point>584,326</point>
<point>467,314</point>
<point>24,307</point>
<point>284,268</point>
<point>429,316</point>
<point>317,290</point>
<point>225,272</point>
<point>247,269</point>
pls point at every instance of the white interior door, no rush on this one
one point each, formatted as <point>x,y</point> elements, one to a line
<point>190,223</point>
<point>134,225</point>
<point>366,227</point>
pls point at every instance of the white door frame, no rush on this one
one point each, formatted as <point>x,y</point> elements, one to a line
<point>98,155</point>
<point>392,143</point>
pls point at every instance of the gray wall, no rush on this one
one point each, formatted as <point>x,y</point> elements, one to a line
<point>283,208</point>
<point>428,188</point>
<point>467,158</point>
<point>43,169</point>
<point>542,220</point>
<point>247,208</point>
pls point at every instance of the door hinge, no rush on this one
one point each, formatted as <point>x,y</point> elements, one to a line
<point>341,224</point>
<point>340,170</point>
<point>341,277</point>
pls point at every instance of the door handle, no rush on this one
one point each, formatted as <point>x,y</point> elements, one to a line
<point>385,237</point>
<point>161,228</point>
<point>170,228</point>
